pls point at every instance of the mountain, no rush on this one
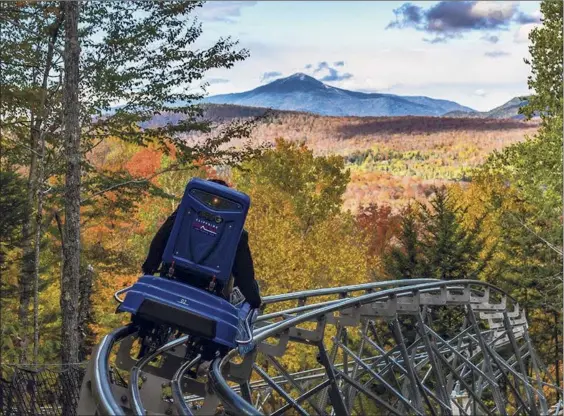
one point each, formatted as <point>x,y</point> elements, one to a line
<point>508,110</point>
<point>301,92</point>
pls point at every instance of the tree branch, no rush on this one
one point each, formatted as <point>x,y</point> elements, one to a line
<point>173,168</point>
<point>550,245</point>
<point>31,32</point>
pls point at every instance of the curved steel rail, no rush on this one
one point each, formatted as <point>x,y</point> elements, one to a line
<point>101,389</point>
<point>227,396</point>
<point>179,402</point>
<point>320,307</point>
<point>364,299</point>
<point>299,315</point>
<point>343,290</point>
<point>134,382</point>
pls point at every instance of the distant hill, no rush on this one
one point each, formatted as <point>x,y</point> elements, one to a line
<point>508,110</point>
<point>301,92</point>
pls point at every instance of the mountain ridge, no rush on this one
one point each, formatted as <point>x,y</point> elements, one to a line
<point>510,109</point>
<point>301,92</point>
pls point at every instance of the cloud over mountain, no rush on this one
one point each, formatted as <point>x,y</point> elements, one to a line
<point>270,75</point>
<point>331,73</point>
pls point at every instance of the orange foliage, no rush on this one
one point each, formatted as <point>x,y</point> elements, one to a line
<point>383,188</point>
<point>144,163</point>
<point>446,143</point>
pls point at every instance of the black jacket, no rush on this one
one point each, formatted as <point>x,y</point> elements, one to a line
<point>243,269</point>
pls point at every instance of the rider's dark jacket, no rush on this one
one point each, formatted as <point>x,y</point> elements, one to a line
<point>243,270</point>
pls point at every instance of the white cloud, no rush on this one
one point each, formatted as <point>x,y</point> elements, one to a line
<point>522,33</point>
<point>480,93</point>
<point>501,10</point>
<point>223,11</point>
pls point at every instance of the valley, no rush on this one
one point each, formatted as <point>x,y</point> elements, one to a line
<point>392,159</point>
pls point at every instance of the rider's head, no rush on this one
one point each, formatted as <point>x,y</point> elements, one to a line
<point>219,181</point>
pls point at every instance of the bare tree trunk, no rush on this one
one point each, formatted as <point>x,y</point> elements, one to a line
<point>26,272</point>
<point>40,183</point>
<point>70,278</point>
<point>85,313</point>
<point>31,232</point>
<point>71,249</point>
<point>25,275</point>
<point>39,217</point>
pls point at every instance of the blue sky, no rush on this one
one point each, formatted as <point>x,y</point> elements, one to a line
<point>466,51</point>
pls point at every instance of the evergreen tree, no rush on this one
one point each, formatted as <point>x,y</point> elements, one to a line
<point>529,201</point>
<point>404,260</point>
<point>434,243</point>
<point>451,250</point>
<point>13,209</point>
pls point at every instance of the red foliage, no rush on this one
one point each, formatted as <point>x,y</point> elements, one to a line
<point>380,226</point>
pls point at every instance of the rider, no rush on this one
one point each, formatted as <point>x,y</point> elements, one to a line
<point>243,270</point>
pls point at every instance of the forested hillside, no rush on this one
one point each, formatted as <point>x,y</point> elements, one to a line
<point>392,159</point>
<point>335,200</point>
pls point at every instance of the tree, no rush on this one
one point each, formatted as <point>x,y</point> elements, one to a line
<point>28,59</point>
<point>380,226</point>
<point>13,207</point>
<point>527,198</point>
<point>435,243</point>
<point>136,65</point>
<point>298,235</point>
<point>438,241</point>
<point>451,250</point>
<point>403,261</point>
<point>71,248</point>
<point>315,185</point>
<point>546,63</point>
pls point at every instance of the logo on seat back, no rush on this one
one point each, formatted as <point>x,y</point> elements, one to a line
<point>205,227</point>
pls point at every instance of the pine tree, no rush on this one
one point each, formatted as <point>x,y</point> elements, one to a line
<point>529,203</point>
<point>434,243</point>
<point>451,250</point>
<point>404,261</point>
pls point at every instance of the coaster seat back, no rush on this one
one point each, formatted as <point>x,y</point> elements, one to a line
<point>202,244</point>
<point>206,232</point>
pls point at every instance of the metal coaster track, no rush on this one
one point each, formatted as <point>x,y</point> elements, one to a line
<point>416,347</point>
